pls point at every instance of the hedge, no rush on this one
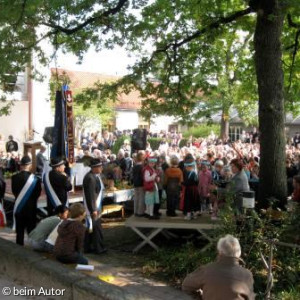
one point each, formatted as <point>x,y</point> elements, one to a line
<point>202,131</point>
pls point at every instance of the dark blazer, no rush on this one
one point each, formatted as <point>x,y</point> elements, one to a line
<point>137,175</point>
<point>91,188</point>
<point>61,185</point>
<point>11,146</point>
<point>17,182</point>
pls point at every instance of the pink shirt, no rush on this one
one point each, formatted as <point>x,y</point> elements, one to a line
<point>205,180</point>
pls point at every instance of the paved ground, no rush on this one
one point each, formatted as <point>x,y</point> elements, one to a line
<point>121,268</point>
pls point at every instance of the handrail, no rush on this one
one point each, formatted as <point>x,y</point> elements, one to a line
<point>268,265</point>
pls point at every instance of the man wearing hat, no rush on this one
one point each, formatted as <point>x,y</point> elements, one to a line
<point>93,189</point>
<point>57,185</point>
<point>26,188</point>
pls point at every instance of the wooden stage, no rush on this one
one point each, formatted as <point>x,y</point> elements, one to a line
<point>202,224</point>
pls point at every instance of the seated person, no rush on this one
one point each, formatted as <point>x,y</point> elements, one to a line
<point>224,278</point>
<point>69,243</point>
<point>38,236</point>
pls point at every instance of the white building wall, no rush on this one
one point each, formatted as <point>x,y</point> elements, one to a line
<point>16,124</point>
<point>42,116</point>
<point>127,120</point>
<point>161,123</point>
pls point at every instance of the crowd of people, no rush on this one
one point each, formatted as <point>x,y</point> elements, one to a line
<point>195,178</point>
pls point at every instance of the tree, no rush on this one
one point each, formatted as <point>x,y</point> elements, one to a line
<point>172,51</point>
<point>181,33</point>
<point>184,63</point>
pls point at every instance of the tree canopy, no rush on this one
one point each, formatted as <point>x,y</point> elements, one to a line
<point>184,45</point>
<point>186,53</point>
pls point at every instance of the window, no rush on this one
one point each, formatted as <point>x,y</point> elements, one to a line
<point>235,132</point>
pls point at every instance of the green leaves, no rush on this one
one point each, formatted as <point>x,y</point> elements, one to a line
<point>202,49</point>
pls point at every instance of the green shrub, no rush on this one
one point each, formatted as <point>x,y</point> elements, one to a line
<point>202,131</point>
<point>253,230</point>
<point>154,143</point>
<point>118,144</point>
<point>183,142</point>
<point>174,264</point>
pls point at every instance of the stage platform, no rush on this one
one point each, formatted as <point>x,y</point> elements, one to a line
<point>202,224</point>
<point>77,196</point>
<point>119,196</point>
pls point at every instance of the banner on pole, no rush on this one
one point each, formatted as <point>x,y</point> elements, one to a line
<point>58,144</point>
<point>63,131</point>
<point>70,126</point>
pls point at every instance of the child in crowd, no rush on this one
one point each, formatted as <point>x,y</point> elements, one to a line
<point>151,178</point>
<point>205,182</point>
<point>69,243</point>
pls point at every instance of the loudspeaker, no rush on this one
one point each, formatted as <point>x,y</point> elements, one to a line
<point>138,140</point>
<point>48,135</point>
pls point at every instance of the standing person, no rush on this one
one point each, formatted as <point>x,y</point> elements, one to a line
<point>26,188</point>
<point>11,145</point>
<point>139,194</point>
<point>40,161</point>
<point>121,161</point>
<point>69,243</point>
<point>12,162</point>
<point>191,195</point>
<point>239,183</point>
<point>160,173</point>
<point>93,190</point>
<point>224,278</point>
<point>57,185</point>
<point>151,178</point>
<point>205,182</point>
<point>217,172</point>
<point>172,182</point>
<point>129,165</point>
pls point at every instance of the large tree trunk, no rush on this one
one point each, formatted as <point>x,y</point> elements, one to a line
<point>225,124</point>
<point>269,73</point>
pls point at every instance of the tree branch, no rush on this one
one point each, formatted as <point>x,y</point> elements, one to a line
<point>22,13</point>
<point>38,41</point>
<point>198,33</point>
<point>291,22</point>
<point>216,25</point>
<point>70,31</point>
<point>296,48</point>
